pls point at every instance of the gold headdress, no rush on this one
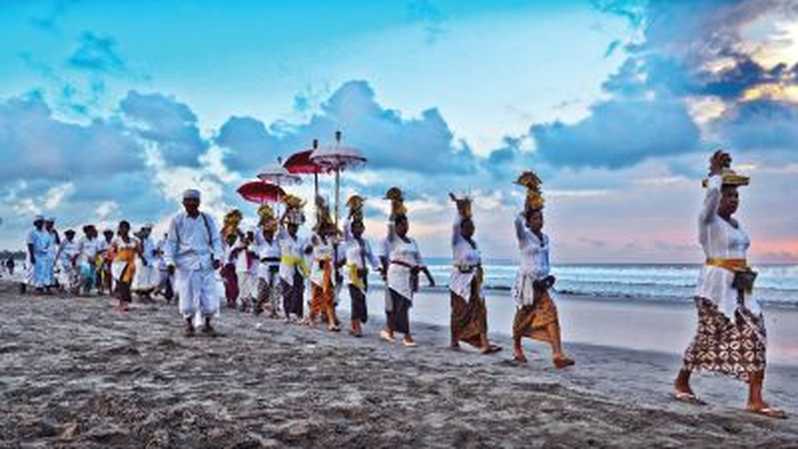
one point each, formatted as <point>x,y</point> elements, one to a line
<point>324,221</point>
<point>293,211</point>
<point>463,205</point>
<point>355,204</point>
<point>534,196</point>
<point>267,219</point>
<point>721,159</point>
<point>397,201</point>
<point>231,222</point>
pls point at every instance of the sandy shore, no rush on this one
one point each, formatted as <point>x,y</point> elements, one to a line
<point>75,373</point>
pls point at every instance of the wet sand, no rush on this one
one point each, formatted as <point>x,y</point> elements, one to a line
<point>76,374</point>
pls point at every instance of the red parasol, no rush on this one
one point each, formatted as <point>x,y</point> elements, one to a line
<point>261,192</point>
<point>299,163</point>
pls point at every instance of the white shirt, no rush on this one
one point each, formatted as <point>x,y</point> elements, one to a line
<point>68,250</point>
<point>148,251</point>
<point>88,249</point>
<point>463,256</point>
<point>161,247</point>
<point>191,245</point>
<point>290,248</point>
<point>406,252</point>
<point>534,262</point>
<point>243,262</point>
<point>721,240</point>
<point>268,250</point>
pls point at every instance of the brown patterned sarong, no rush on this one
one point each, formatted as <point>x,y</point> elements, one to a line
<point>533,321</point>
<point>734,349</point>
<point>469,319</point>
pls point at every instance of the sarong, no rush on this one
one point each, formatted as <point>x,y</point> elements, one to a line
<point>359,309</point>
<point>322,300</point>
<point>230,279</point>
<point>398,317</point>
<point>734,349</point>
<point>269,294</point>
<point>469,319</point>
<point>532,321</point>
<point>292,295</point>
<point>122,270</point>
<point>147,277</point>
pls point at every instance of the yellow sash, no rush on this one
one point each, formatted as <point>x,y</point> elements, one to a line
<point>294,261</point>
<point>354,276</point>
<point>728,264</point>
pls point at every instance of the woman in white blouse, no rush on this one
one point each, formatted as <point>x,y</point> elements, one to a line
<point>469,317</point>
<point>536,314</point>
<point>404,265</point>
<point>731,337</point>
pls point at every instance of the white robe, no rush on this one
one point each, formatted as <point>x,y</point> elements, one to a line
<point>42,270</point>
<point>535,264</point>
<point>246,272</point>
<point>465,259</point>
<point>191,248</point>
<point>406,252</point>
<point>721,240</point>
<point>147,276</point>
<point>359,255</point>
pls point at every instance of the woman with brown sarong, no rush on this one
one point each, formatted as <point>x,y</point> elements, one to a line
<point>731,338</point>
<point>404,266</point>
<point>536,314</point>
<point>469,321</point>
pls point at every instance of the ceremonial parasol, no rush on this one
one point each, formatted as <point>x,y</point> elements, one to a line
<point>278,175</point>
<point>299,163</point>
<point>337,158</point>
<point>261,192</point>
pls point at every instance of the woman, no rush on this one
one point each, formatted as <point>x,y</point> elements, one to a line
<point>269,292</point>
<point>322,273</point>
<point>731,337</point>
<point>147,277</point>
<point>469,321</point>
<point>293,268</point>
<point>123,268</point>
<point>404,265</point>
<point>358,258</point>
<point>536,314</point>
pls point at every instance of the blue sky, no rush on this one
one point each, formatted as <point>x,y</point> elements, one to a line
<point>112,108</point>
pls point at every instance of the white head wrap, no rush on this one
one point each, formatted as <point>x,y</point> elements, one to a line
<point>191,194</point>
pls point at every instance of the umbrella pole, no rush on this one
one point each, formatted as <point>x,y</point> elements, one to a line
<point>337,192</point>
<point>316,194</point>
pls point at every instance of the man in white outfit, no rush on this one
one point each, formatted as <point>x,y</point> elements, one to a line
<point>193,253</point>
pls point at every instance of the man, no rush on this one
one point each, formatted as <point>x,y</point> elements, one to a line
<point>147,277</point>
<point>67,259</point>
<point>165,286</point>
<point>39,243</point>
<point>193,253</point>
<point>106,253</point>
<point>49,226</point>
<point>245,258</point>
<point>89,246</point>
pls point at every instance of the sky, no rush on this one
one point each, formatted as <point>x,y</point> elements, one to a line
<point>108,110</point>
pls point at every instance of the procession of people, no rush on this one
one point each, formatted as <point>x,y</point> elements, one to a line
<point>273,270</point>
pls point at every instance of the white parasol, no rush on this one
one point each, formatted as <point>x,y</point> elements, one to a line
<point>338,158</point>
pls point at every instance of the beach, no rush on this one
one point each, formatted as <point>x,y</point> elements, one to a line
<point>77,374</point>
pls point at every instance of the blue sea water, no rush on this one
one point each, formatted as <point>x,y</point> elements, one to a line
<point>776,284</point>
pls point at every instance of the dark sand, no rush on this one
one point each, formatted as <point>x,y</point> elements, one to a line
<point>76,374</point>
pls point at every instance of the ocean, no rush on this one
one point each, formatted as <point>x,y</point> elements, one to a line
<point>776,284</point>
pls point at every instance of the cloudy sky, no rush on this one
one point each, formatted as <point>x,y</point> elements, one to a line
<point>109,109</point>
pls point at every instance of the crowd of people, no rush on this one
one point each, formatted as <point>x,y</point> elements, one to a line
<point>269,267</point>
